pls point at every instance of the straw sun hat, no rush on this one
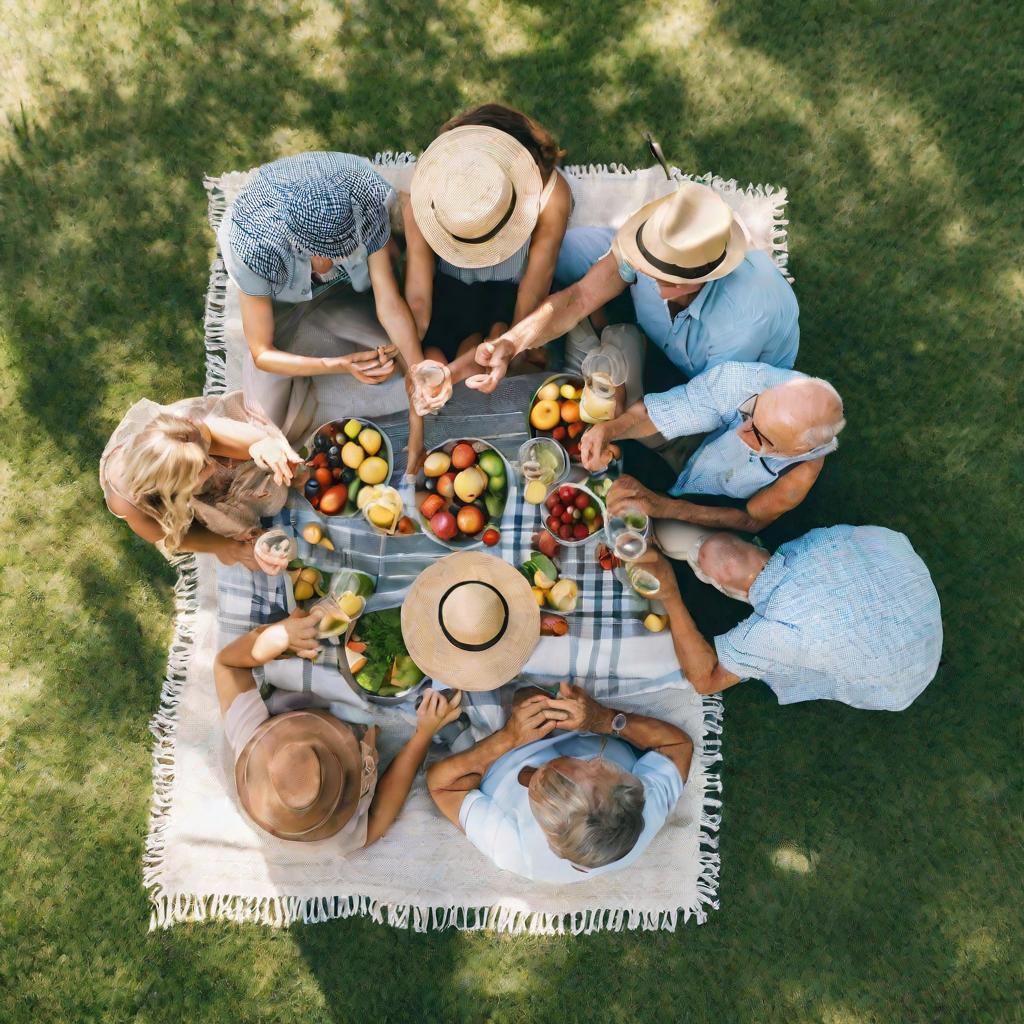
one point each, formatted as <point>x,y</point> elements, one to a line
<point>300,774</point>
<point>470,621</point>
<point>475,195</point>
<point>687,237</point>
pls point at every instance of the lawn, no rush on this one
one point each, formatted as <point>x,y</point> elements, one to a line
<point>872,862</point>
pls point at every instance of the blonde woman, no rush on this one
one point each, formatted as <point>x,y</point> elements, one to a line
<point>197,475</point>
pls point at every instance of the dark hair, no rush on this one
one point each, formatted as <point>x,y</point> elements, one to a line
<point>534,136</point>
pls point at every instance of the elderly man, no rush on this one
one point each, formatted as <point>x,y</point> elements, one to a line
<point>847,613</point>
<point>769,433</point>
<point>700,293</point>
<point>564,806</point>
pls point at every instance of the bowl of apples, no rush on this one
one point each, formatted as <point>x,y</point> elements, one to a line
<point>574,514</point>
<point>461,492</point>
<point>555,412</point>
<point>343,457</point>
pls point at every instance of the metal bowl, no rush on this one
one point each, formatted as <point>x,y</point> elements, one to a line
<point>386,450</point>
<point>599,532</point>
<point>461,543</point>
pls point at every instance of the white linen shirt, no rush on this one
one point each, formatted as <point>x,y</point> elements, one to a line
<point>499,822</point>
<point>724,463</point>
<point>848,613</point>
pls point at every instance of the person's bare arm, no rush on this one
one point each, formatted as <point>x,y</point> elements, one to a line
<point>451,779</point>
<point>697,657</point>
<point>434,713</point>
<point>419,271</point>
<point>392,310</point>
<point>544,245</point>
<point>761,510</point>
<point>555,315</point>
<point>584,713</point>
<point>232,668</point>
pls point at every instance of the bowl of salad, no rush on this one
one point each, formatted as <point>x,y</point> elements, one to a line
<point>375,661</point>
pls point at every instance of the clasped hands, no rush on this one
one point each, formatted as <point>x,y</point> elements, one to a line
<point>573,709</point>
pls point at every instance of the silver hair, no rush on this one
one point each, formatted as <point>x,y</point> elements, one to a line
<point>589,825</point>
<point>824,433</point>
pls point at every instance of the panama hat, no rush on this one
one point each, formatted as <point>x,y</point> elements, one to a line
<point>300,774</point>
<point>476,196</point>
<point>687,237</point>
<point>470,621</point>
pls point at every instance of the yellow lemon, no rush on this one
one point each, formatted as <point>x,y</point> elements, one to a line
<point>370,440</point>
<point>373,470</point>
<point>352,455</point>
<point>535,492</point>
<point>312,533</point>
<point>548,393</point>
<point>381,516</point>
<point>303,591</point>
<point>351,604</point>
<point>655,623</point>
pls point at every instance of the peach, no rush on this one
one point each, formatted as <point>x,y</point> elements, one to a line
<point>570,412</point>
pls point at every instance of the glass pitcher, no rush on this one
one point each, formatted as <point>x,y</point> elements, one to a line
<point>604,369</point>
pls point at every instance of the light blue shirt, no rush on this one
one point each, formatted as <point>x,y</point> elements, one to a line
<point>499,822</point>
<point>750,315</point>
<point>724,463</point>
<point>848,613</point>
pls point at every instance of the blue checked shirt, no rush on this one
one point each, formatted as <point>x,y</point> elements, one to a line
<point>724,463</point>
<point>750,315</point>
<point>848,613</point>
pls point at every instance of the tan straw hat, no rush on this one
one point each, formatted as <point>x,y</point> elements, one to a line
<point>475,195</point>
<point>470,621</point>
<point>689,236</point>
<point>299,775</point>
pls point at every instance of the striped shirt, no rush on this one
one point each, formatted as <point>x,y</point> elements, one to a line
<point>848,613</point>
<point>724,463</point>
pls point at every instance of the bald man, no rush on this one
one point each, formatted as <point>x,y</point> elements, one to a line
<point>847,613</point>
<point>768,432</point>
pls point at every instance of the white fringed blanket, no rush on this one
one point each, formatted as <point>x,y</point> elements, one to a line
<point>203,858</point>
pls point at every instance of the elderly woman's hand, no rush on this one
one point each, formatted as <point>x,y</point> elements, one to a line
<point>580,710</point>
<point>531,719</point>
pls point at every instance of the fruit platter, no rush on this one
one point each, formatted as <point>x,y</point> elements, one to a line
<point>344,457</point>
<point>461,492</point>
<point>375,661</point>
<point>573,514</point>
<point>555,412</point>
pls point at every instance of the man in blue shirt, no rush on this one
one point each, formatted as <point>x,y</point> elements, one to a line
<point>768,432</point>
<point>848,613</point>
<point>700,293</point>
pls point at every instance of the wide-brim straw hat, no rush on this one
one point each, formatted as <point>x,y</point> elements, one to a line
<point>476,195</point>
<point>687,237</point>
<point>470,621</point>
<point>299,775</point>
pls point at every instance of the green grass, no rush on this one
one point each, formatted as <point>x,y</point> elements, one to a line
<point>871,862</point>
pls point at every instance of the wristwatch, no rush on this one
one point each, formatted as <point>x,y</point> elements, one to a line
<point>618,723</point>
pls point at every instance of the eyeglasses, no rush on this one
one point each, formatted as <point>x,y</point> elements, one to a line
<point>747,416</point>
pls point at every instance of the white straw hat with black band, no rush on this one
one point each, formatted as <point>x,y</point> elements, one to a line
<point>476,195</point>
<point>687,237</point>
<point>470,621</point>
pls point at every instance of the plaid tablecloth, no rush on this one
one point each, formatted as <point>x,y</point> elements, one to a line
<point>607,644</point>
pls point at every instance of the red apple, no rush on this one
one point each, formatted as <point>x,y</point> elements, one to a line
<point>554,523</point>
<point>547,545</point>
<point>446,485</point>
<point>444,525</point>
<point>470,519</point>
<point>565,531</point>
<point>566,494</point>
<point>551,501</point>
<point>567,516</point>
<point>463,455</point>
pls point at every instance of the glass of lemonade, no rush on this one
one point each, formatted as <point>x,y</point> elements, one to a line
<point>274,550</point>
<point>431,379</point>
<point>628,533</point>
<point>645,583</point>
<point>542,464</point>
<point>604,369</point>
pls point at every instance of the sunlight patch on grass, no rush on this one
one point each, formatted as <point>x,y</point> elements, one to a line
<point>836,1013</point>
<point>790,859</point>
<point>286,139</point>
<point>673,24</point>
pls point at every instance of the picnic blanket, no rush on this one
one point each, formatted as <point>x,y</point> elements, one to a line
<point>205,860</point>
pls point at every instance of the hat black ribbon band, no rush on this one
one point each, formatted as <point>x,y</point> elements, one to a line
<point>458,643</point>
<point>673,268</point>
<point>497,227</point>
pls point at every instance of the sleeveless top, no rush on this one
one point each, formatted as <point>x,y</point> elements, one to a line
<point>514,267</point>
<point>232,499</point>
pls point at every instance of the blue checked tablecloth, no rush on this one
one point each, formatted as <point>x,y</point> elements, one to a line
<point>607,644</point>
